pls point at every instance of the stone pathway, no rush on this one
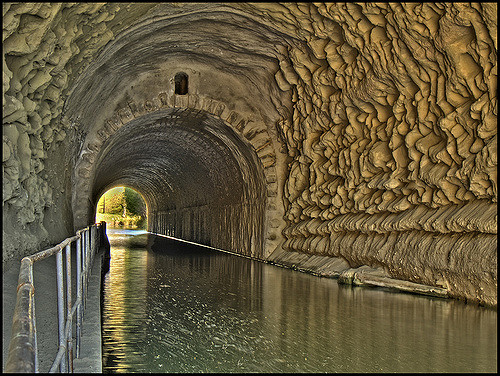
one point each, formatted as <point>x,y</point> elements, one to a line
<point>44,274</point>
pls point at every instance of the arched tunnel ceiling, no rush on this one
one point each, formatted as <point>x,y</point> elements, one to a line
<point>147,55</point>
<point>180,158</point>
<point>375,123</point>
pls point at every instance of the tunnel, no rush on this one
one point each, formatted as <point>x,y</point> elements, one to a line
<point>347,135</point>
<point>201,181</point>
<point>164,113</point>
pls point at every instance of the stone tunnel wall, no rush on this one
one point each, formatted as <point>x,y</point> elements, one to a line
<point>387,126</point>
<point>201,180</point>
<point>223,227</point>
<point>392,140</point>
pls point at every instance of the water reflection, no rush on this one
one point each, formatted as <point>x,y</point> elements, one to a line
<point>175,307</point>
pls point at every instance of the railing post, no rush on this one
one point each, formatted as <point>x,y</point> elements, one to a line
<point>78,294</point>
<point>60,304</point>
<point>22,348</point>
<point>94,240</point>
<point>33,320</point>
<point>92,243</point>
<point>106,259</point>
<point>84,263</point>
<point>87,263</point>
<point>103,233</point>
<point>69,340</point>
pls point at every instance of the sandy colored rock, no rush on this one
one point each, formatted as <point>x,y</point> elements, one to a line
<point>359,122</point>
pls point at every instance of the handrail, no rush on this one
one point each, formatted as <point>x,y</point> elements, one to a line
<point>23,349</point>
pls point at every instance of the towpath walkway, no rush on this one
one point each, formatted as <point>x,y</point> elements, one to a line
<point>44,274</point>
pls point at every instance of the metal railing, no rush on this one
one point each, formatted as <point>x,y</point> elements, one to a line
<point>23,349</point>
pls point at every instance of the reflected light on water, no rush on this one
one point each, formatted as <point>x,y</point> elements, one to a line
<point>175,307</point>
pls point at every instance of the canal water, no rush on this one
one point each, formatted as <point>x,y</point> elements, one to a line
<point>177,307</point>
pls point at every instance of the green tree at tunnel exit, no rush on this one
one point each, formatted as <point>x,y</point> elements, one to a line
<point>135,205</point>
<point>122,200</point>
<point>112,201</point>
<point>122,207</point>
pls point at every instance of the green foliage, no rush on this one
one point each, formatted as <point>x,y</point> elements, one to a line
<point>135,203</point>
<point>122,207</point>
<point>112,201</point>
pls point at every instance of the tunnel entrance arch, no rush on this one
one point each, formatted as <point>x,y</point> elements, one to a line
<point>204,181</point>
<point>122,207</point>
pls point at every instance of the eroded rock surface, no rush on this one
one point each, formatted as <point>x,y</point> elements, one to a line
<point>375,124</point>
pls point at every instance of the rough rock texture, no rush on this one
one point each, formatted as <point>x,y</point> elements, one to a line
<point>368,129</point>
